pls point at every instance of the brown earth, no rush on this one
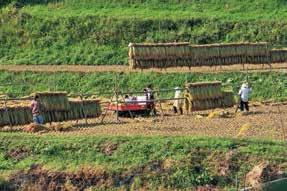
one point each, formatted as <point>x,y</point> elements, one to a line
<point>263,172</point>
<point>124,68</point>
<point>206,188</point>
<point>263,121</point>
<point>34,128</point>
<point>17,153</point>
<point>226,164</point>
<point>40,179</point>
<point>108,148</point>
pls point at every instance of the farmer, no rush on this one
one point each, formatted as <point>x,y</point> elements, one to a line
<point>149,92</point>
<point>150,98</point>
<point>128,98</point>
<point>244,92</point>
<point>36,111</point>
<point>177,105</point>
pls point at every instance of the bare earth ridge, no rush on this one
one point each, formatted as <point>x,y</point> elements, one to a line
<point>123,68</point>
<point>263,122</point>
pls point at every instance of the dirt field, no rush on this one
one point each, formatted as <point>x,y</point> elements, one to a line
<point>120,68</point>
<point>264,122</point>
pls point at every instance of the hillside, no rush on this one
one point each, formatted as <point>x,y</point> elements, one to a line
<point>97,32</point>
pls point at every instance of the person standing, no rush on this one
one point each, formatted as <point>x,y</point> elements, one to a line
<point>177,104</point>
<point>150,98</point>
<point>244,92</point>
<point>36,111</point>
<point>127,98</point>
<point>149,92</point>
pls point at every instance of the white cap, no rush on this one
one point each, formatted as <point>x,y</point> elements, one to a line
<point>245,85</point>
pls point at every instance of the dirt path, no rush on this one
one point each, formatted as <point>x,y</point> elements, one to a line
<point>263,122</point>
<point>120,68</point>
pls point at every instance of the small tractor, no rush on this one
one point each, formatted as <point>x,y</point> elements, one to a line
<point>136,106</point>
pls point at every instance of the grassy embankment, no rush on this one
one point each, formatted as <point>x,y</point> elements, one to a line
<point>265,85</point>
<point>98,32</point>
<point>134,162</point>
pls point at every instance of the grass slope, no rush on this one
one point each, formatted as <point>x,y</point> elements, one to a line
<point>265,85</point>
<point>98,32</point>
<point>233,10</point>
<point>185,162</point>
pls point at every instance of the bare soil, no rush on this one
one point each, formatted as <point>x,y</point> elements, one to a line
<point>263,121</point>
<point>108,148</point>
<point>125,68</point>
<point>261,173</point>
<point>38,178</point>
<point>18,153</point>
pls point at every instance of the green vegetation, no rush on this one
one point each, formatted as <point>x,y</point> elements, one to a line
<point>169,162</point>
<point>265,85</point>
<point>245,10</point>
<point>98,31</point>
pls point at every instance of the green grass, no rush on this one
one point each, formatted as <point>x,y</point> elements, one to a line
<point>97,32</point>
<point>70,153</point>
<point>244,10</point>
<point>265,85</point>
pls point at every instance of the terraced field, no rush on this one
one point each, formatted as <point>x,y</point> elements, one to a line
<point>81,47</point>
<point>266,122</point>
<point>88,161</point>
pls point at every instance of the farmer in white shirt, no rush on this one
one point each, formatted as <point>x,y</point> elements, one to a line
<point>244,92</point>
<point>177,105</point>
<point>127,98</point>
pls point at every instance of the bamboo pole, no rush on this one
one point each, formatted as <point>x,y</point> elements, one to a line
<point>117,102</point>
<point>83,109</point>
<point>106,111</point>
<point>117,97</point>
<point>160,106</point>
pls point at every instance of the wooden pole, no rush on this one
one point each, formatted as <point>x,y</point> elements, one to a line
<point>117,102</point>
<point>106,111</point>
<point>85,114</point>
<point>117,97</point>
<point>160,106</point>
<point>130,113</point>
